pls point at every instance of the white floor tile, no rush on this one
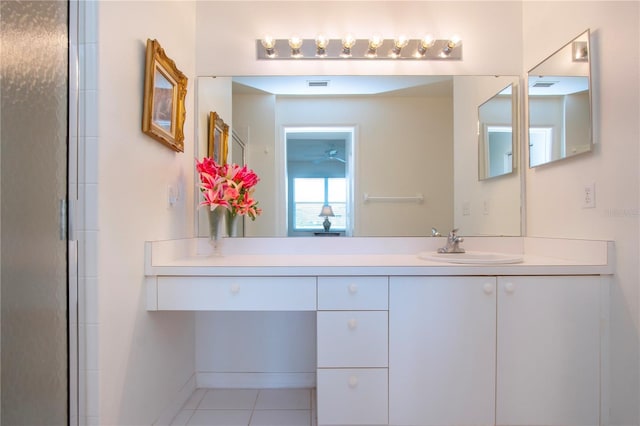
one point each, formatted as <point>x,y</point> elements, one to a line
<point>194,400</point>
<point>281,418</point>
<point>220,418</point>
<point>284,399</point>
<point>229,399</point>
<point>182,418</point>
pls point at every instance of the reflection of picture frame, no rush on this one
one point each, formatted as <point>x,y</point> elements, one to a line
<point>218,144</point>
<point>165,89</point>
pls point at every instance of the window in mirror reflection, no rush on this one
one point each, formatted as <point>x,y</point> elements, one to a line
<point>310,194</point>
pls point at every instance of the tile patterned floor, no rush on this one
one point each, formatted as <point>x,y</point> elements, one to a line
<point>249,407</point>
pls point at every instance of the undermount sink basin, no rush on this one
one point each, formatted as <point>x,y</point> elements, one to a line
<point>472,257</point>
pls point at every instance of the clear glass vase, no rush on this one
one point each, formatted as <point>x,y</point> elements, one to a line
<point>217,229</point>
<point>233,224</point>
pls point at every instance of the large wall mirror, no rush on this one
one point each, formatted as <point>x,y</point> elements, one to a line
<point>400,153</point>
<point>559,101</point>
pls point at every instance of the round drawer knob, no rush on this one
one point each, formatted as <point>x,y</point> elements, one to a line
<point>353,381</point>
<point>235,288</point>
<point>487,288</point>
<point>352,323</point>
<point>509,288</point>
<point>353,288</point>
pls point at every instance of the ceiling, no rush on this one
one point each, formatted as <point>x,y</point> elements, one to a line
<point>401,85</point>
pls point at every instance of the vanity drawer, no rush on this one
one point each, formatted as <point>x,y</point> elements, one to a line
<point>237,293</point>
<point>353,339</point>
<point>353,397</point>
<point>353,293</point>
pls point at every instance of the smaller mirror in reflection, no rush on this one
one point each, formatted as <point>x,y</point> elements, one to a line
<point>496,135</point>
<point>560,104</point>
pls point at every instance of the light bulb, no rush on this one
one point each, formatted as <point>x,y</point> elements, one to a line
<point>295,43</point>
<point>321,46</point>
<point>374,42</point>
<point>398,44</point>
<point>425,44</point>
<point>451,44</point>
<point>269,44</point>
<point>347,43</point>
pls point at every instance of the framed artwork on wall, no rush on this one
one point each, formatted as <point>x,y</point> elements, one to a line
<point>218,145</point>
<point>165,89</point>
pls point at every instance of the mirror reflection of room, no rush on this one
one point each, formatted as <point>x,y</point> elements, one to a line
<point>560,104</point>
<point>496,135</point>
<point>414,154</point>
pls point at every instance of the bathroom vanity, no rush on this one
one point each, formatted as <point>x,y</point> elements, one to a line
<point>402,340</point>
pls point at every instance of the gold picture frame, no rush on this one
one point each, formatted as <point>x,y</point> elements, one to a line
<point>165,89</point>
<point>218,144</point>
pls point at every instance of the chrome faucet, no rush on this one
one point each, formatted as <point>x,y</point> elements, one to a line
<point>453,243</point>
<point>435,233</point>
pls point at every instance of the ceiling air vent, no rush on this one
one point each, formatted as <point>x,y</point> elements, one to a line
<point>317,83</point>
<point>544,83</point>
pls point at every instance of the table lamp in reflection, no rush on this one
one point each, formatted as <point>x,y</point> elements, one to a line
<point>327,212</point>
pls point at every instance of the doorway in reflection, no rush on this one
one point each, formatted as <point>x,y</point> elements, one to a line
<point>540,145</point>
<point>319,176</point>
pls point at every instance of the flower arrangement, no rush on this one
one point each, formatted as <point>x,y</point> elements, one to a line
<point>229,186</point>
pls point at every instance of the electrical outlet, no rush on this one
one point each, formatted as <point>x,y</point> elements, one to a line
<point>466,208</point>
<point>485,207</point>
<point>589,196</point>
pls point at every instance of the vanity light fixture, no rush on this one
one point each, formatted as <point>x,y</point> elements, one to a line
<point>295,43</point>
<point>350,47</point>
<point>347,43</point>
<point>321,46</point>
<point>374,42</point>
<point>398,44</point>
<point>269,44</point>
<point>579,51</point>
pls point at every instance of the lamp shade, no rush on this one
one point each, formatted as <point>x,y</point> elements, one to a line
<point>326,211</point>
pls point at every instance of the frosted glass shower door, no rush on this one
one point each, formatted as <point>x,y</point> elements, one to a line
<point>33,181</point>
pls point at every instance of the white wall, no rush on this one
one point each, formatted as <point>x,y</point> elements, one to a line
<point>554,192</point>
<point>145,358</point>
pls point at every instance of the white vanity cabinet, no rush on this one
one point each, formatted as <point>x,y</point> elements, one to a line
<point>442,334</point>
<point>352,345</point>
<point>464,351</point>
<point>549,357</point>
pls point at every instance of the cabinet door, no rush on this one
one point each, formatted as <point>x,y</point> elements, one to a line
<point>442,342</point>
<point>548,351</point>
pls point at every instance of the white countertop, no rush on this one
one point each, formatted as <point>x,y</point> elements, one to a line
<point>372,256</point>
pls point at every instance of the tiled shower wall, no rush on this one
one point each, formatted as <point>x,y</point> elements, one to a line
<point>87,209</point>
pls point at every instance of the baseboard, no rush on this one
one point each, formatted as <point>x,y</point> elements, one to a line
<point>206,379</point>
<point>173,408</point>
